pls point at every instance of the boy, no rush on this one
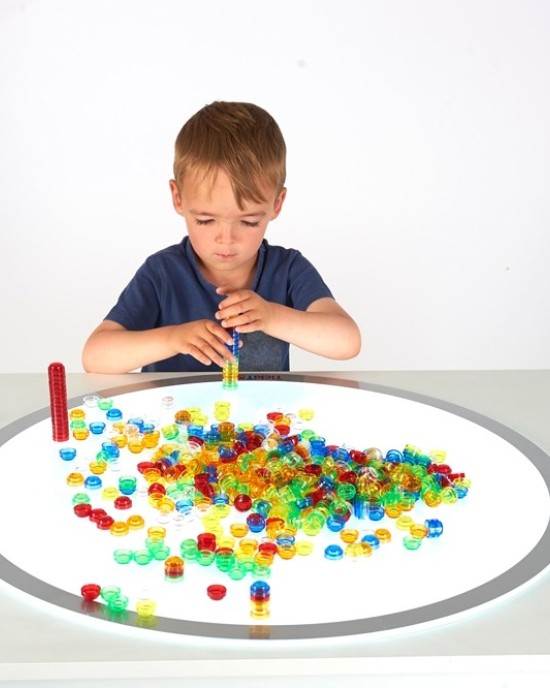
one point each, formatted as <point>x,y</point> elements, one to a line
<point>229,175</point>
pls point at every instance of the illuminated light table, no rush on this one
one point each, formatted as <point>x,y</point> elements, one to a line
<point>491,633</point>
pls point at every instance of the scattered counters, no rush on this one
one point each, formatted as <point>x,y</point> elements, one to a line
<point>263,491</point>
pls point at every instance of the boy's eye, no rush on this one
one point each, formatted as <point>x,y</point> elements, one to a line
<point>209,221</point>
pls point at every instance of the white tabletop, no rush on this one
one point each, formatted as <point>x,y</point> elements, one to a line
<point>39,642</point>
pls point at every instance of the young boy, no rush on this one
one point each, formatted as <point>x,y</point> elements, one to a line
<point>229,175</point>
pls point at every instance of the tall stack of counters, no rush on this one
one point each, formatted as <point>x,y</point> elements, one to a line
<point>230,372</point>
<point>58,402</point>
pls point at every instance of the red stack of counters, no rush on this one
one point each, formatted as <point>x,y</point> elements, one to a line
<point>58,402</point>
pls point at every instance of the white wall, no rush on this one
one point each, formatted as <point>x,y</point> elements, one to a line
<point>419,173</point>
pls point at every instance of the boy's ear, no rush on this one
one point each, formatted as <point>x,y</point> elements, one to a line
<point>176,196</point>
<point>279,203</point>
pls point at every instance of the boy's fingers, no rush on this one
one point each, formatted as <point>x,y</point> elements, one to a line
<point>219,333</point>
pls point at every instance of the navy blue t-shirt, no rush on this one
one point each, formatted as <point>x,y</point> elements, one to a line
<point>169,289</point>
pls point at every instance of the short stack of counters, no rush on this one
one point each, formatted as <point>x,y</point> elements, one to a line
<point>434,526</point>
<point>383,535</point>
<point>224,558</point>
<point>230,375</point>
<point>173,567</point>
<point>155,544</point>
<point>230,372</point>
<point>115,600</point>
<point>75,479</point>
<point>127,484</point>
<point>135,522</point>
<point>222,410</point>
<point>189,549</point>
<point>145,605</point>
<point>260,595</point>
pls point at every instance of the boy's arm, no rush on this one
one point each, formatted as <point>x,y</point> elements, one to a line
<point>327,330</point>
<point>111,348</point>
<point>324,328</point>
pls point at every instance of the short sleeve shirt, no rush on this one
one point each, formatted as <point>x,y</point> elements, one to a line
<point>169,289</point>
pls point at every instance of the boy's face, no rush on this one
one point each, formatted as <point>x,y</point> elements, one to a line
<point>225,238</point>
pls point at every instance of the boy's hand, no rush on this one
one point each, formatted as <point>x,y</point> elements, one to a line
<point>205,340</point>
<point>244,310</point>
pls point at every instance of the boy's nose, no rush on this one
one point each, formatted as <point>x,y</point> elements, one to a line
<point>226,234</point>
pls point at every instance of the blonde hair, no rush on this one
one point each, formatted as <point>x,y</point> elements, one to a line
<point>242,139</point>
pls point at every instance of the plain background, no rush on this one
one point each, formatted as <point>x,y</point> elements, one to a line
<point>418,166</point>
